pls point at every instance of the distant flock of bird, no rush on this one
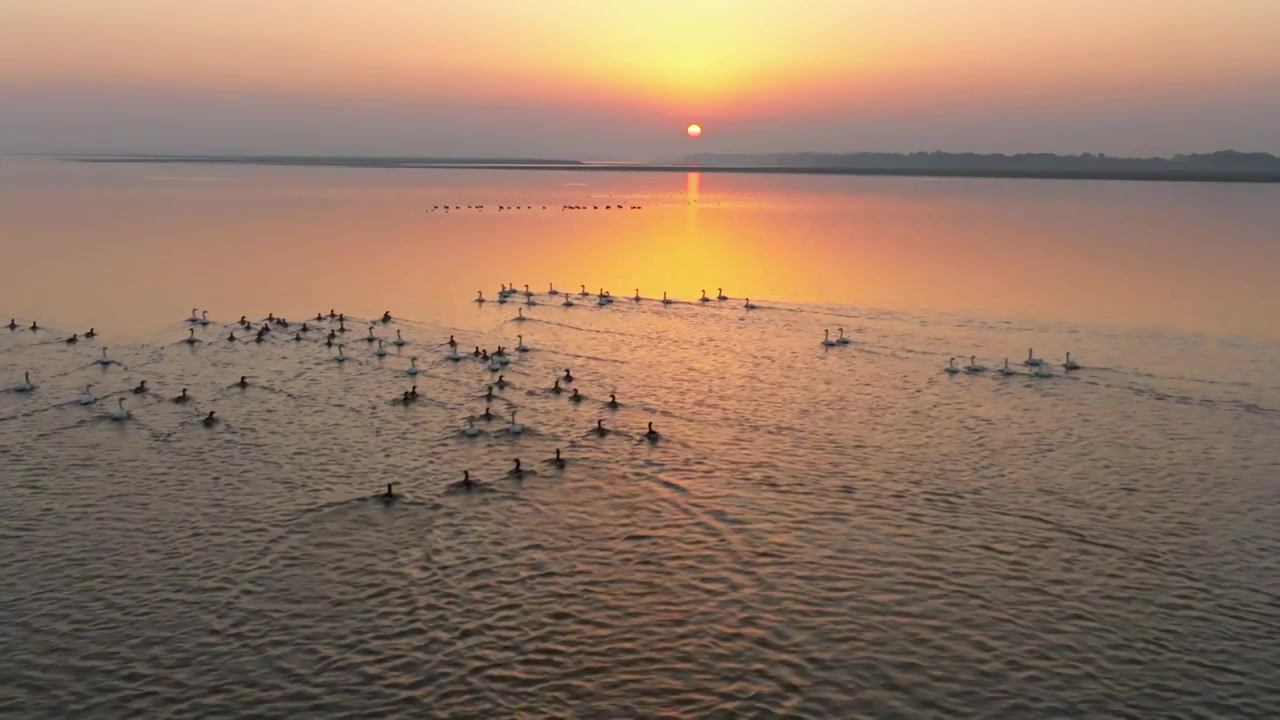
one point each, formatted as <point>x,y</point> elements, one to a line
<point>602,298</point>
<point>504,208</point>
<point>1036,366</point>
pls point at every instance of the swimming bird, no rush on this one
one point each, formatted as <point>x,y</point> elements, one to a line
<point>452,343</point>
<point>600,429</point>
<point>520,346</point>
<point>34,326</point>
<point>613,401</point>
<point>567,302</point>
<point>86,397</point>
<point>386,316</point>
<point>552,290</point>
<point>502,382</point>
<point>973,366</point>
<point>487,415</point>
<point>371,337</point>
<point>526,292</point>
<point>244,383</point>
<point>297,337</point>
<point>652,435</point>
<point>190,339</point>
<point>120,413</point>
<point>1041,371</point>
<point>413,392</point>
<point>842,340</point>
<point>1006,370</point>
<point>516,428</point>
<point>72,340</point>
<point>470,430</point>
<point>208,420</point>
<point>517,471</point>
<point>195,316</point>
<point>204,317</point>
<point>404,398</point>
<point>951,368</point>
<point>104,360</point>
<point>575,397</point>
<point>556,388</point>
<point>519,315</point>
<point>666,300</point>
<point>720,295</point>
<point>342,325</point>
<point>494,364</point>
<point>142,387</point>
<point>1032,360</point>
<point>479,296</point>
<point>381,351</point>
<point>399,341</point>
<point>1070,364</point>
<point>637,297</point>
<point>25,385</point>
<point>748,305</point>
<point>704,298</point>
<point>92,333</point>
<point>584,292</point>
<point>13,323</point>
<point>181,398</point>
<point>388,497</point>
<point>826,338</point>
<point>413,366</point>
<point>568,377</point>
<point>557,460</point>
<point>340,358</point>
<point>502,298</point>
<point>466,483</point>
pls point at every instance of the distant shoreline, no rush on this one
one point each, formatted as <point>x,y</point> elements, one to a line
<point>1164,175</point>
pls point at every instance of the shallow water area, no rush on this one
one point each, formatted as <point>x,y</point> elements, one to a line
<point>819,531</point>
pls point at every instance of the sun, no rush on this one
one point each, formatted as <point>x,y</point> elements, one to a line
<point>694,130</point>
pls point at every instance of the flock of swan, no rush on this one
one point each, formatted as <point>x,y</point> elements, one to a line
<point>333,327</point>
<point>1036,367</point>
<point>602,298</point>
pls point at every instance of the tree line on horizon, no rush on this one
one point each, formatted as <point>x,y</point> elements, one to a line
<point>1222,161</point>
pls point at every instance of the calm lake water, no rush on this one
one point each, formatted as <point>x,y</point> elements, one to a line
<point>820,531</point>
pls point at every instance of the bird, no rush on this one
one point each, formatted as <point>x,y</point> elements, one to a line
<point>208,420</point>
<point>1070,364</point>
<point>479,296</point>
<point>517,471</point>
<point>381,351</point>
<point>552,290</point>
<point>519,315</point>
<point>613,401</point>
<point>399,341</point>
<point>666,300</point>
<point>142,388</point>
<point>704,298</point>
<point>558,461</point>
<point>190,339</point>
<point>600,429</point>
<point>720,295</point>
<point>25,385</point>
<point>826,339</point>
<point>92,333</point>
<point>575,397</point>
<point>951,368</point>
<point>516,428</point>
<point>181,398</point>
<point>520,346</point>
<point>973,366</point>
<point>1041,371</point>
<point>13,324</point>
<point>120,413</point>
<point>86,397</point>
<point>568,376</point>
<point>204,317</point>
<point>104,360</point>
<point>652,435</point>
<point>748,305</point>
<point>371,337</point>
<point>470,430</point>
<point>413,366</point>
<point>340,358</point>
<point>637,297</point>
<point>1032,360</point>
<point>1006,370</point>
<point>842,340</point>
<point>73,339</point>
<point>556,387</point>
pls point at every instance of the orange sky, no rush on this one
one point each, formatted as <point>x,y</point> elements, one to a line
<point>751,68</point>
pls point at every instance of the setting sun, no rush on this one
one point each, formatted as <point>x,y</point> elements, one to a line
<point>694,130</point>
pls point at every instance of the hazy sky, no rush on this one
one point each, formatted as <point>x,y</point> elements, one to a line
<point>621,79</point>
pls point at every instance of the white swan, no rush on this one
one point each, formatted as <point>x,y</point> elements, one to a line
<point>1070,364</point>
<point>842,340</point>
<point>399,341</point>
<point>666,300</point>
<point>371,337</point>
<point>704,298</point>
<point>1041,371</point>
<point>120,413</point>
<point>520,346</point>
<point>340,357</point>
<point>951,368</point>
<point>480,296</point>
<point>86,397</point>
<point>502,359</point>
<point>552,290</point>
<point>204,317</point>
<point>1032,360</point>
<point>470,430</point>
<point>519,315</point>
<point>494,364</point>
<point>25,385</point>
<point>191,337</point>
<point>413,366</point>
<point>567,302</point>
<point>826,339</point>
<point>516,428</point>
<point>381,351</point>
<point>1006,370</point>
<point>104,360</point>
<point>973,365</point>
